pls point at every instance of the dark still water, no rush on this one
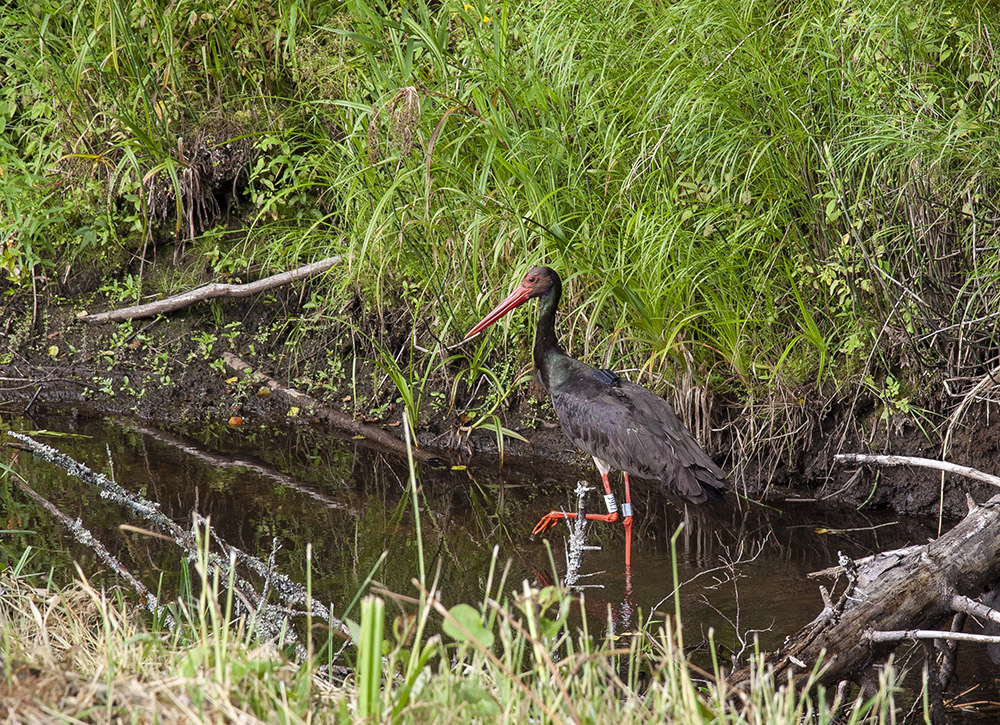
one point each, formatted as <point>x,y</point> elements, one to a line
<point>742,566</point>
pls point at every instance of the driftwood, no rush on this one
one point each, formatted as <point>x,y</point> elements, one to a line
<point>336,418</point>
<point>897,595</point>
<point>211,291</point>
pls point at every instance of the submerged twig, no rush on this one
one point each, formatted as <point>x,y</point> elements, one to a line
<point>577,542</point>
<point>225,460</point>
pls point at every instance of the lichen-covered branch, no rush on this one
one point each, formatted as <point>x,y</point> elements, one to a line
<point>85,537</point>
<point>577,543</point>
<point>270,619</point>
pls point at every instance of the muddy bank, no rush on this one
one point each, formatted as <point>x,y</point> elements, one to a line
<point>170,371</point>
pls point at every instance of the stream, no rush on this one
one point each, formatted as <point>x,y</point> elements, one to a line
<point>742,565</point>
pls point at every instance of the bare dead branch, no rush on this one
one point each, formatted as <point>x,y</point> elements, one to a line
<point>83,535</point>
<point>919,462</point>
<point>901,634</point>
<point>211,291</point>
<point>976,609</point>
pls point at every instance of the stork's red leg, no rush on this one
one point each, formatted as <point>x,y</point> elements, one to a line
<point>627,520</point>
<point>553,517</point>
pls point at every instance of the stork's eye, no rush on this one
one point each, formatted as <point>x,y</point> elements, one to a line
<point>532,279</point>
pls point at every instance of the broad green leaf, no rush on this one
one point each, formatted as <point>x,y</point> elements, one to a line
<point>469,618</point>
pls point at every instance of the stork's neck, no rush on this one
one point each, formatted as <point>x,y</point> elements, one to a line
<point>546,344</point>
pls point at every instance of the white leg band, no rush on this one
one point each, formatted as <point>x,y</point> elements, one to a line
<point>609,501</point>
<point>626,510</point>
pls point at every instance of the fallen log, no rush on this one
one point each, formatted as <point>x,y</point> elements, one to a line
<point>902,591</point>
<point>336,418</point>
<point>211,291</point>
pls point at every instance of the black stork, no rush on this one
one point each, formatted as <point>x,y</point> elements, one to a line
<point>620,424</point>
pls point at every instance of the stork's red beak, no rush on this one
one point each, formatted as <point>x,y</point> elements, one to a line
<point>518,297</point>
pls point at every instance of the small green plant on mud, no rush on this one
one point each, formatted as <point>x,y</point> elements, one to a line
<point>130,390</point>
<point>159,364</point>
<point>128,289</point>
<point>896,403</point>
<point>231,332</point>
<point>540,407</point>
<point>894,399</point>
<point>439,400</point>
<point>206,343</point>
<point>476,371</point>
<point>330,375</point>
<point>122,335</point>
<point>105,386</point>
<point>379,411</point>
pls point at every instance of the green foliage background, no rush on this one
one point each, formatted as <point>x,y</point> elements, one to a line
<point>758,193</point>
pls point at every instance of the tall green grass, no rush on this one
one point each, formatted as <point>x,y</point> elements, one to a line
<point>515,657</point>
<point>713,178</point>
<point>754,193</point>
